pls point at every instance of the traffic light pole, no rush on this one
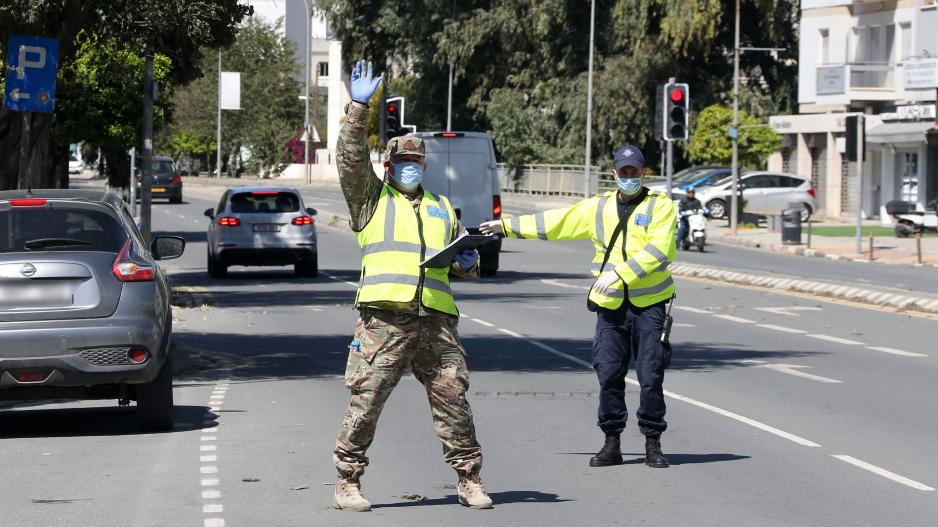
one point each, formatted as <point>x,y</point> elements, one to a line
<point>861,138</point>
<point>734,206</point>
<point>669,162</point>
<point>146,171</point>
<point>589,106</point>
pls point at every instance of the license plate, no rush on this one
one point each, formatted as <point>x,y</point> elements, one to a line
<point>266,227</point>
<point>35,295</point>
<point>158,190</point>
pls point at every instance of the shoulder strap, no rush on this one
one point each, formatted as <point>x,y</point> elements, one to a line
<point>612,243</point>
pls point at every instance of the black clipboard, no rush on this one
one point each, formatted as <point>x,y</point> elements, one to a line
<point>445,257</point>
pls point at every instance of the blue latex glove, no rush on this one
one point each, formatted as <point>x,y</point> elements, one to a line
<point>467,259</point>
<point>363,82</point>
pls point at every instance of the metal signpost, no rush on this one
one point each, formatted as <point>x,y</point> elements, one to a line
<point>30,86</point>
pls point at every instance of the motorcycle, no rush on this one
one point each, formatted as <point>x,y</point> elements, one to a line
<point>696,229</point>
<point>910,221</point>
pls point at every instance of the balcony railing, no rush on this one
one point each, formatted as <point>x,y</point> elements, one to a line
<point>839,79</point>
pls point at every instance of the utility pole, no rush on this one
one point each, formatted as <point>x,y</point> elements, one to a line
<point>146,172</point>
<point>589,102</point>
<point>23,182</point>
<point>449,99</point>
<point>306,128</point>
<point>861,139</point>
<point>734,210</point>
<point>218,124</point>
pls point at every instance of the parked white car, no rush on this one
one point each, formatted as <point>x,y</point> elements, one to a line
<point>765,193</point>
<point>75,165</point>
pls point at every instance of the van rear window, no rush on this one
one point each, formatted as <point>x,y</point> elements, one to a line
<point>264,202</point>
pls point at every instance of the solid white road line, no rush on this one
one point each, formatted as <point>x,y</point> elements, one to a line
<point>794,369</point>
<point>726,413</point>
<point>731,318</point>
<point>693,310</point>
<point>894,351</point>
<point>337,279</point>
<point>484,323</point>
<point>883,472</point>
<point>781,328</point>
<point>788,311</point>
<point>835,339</point>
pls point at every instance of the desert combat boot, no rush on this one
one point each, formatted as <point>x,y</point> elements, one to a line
<point>348,496</point>
<point>472,493</point>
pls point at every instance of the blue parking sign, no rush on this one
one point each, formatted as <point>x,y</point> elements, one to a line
<point>31,71</point>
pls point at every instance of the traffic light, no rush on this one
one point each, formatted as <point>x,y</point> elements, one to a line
<point>395,117</point>
<point>675,108</point>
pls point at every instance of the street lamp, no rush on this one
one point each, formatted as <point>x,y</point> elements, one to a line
<point>309,30</point>
<point>589,102</point>
<point>734,131</point>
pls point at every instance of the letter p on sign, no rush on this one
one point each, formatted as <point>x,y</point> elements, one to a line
<point>38,56</point>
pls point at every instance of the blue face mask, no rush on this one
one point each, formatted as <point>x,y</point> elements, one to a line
<point>408,174</point>
<point>629,186</point>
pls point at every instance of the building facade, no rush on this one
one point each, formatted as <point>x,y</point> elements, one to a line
<point>879,59</point>
<point>329,82</point>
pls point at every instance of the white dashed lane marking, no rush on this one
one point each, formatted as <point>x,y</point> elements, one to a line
<point>781,328</point>
<point>838,340</point>
<point>883,472</point>
<point>208,453</point>
<point>894,351</point>
<point>732,318</point>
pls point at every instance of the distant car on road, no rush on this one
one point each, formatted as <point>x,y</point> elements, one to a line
<point>765,193</point>
<point>84,307</point>
<point>692,178</point>
<point>75,165</point>
<point>262,226</point>
<point>167,183</point>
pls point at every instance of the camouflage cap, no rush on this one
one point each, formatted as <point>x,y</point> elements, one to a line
<point>406,145</point>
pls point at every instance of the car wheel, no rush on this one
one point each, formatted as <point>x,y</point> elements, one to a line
<point>155,400</point>
<point>904,230</point>
<point>717,209</point>
<point>805,212</point>
<point>488,263</point>
<point>308,268</point>
<point>216,269</point>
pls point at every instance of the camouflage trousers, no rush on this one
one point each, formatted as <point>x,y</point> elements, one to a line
<point>389,342</point>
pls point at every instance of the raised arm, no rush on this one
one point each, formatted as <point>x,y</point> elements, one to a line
<point>360,185</point>
<point>571,223</point>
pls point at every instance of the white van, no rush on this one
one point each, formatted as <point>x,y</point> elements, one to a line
<point>461,166</point>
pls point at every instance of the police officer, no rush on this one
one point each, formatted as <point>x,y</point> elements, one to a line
<point>633,231</point>
<point>688,204</point>
<point>408,315</point>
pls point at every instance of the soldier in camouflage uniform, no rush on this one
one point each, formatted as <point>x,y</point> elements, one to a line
<point>394,334</point>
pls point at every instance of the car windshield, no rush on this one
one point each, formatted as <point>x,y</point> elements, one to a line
<point>272,202</point>
<point>163,167</point>
<point>688,176</point>
<point>56,228</point>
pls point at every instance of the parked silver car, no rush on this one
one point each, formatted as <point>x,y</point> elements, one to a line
<point>262,226</point>
<point>764,193</point>
<point>84,307</point>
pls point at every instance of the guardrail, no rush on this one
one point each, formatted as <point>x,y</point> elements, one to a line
<point>555,180</point>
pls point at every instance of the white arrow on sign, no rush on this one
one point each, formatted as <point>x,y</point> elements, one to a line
<point>16,94</point>
<point>788,311</point>
<point>792,369</point>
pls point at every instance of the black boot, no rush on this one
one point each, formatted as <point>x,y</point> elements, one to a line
<point>653,456</point>
<point>609,454</point>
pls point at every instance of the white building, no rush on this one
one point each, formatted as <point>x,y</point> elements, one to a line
<point>327,74</point>
<point>872,58</point>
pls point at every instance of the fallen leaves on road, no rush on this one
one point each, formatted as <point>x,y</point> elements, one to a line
<point>413,497</point>
<point>250,480</point>
<point>301,487</point>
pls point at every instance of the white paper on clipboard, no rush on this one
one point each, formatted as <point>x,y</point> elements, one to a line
<point>445,257</point>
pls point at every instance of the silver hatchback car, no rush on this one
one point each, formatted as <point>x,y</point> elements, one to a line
<point>262,226</point>
<point>84,308</point>
<point>764,193</point>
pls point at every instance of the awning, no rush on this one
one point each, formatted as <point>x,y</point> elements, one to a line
<point>899,132</point>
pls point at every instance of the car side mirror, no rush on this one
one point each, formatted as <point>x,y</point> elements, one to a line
<point>167,247</point>
<point>209,213</point>
<point>311,211</point>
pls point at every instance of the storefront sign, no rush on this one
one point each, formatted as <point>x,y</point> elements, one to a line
<point>920,74</point>
<point>916,112</point>
<point>831,80</point>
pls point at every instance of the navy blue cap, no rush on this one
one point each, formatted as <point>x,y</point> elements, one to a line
<point>629,156</point>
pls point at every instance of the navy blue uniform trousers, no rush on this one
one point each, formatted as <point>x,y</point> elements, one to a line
<point>622,335</point>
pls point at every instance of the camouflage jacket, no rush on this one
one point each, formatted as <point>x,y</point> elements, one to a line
<point>362,190</point>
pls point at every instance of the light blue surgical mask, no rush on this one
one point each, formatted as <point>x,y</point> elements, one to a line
<point>629,186</point>
<point>408,174</point>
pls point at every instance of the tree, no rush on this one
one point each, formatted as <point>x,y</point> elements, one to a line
<point>176,30</point>
<point>710,143</point>
<point>271,112</point>
<point>521,64</point>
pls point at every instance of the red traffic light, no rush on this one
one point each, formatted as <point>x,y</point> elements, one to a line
<point>392,108</point>
<point>677,95</point>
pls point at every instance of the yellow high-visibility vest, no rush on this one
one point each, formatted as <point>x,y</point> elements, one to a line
<point>649,241</point>
<point>393,244</point>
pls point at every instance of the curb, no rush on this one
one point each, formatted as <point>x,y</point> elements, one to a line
<point>880,298</point>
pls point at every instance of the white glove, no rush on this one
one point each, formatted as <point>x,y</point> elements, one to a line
<point>605,281</point>
<point>491,227</point>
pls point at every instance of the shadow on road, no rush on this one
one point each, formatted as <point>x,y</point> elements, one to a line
<point>89,422</point>
<point>685,459</point>
<point>511,496</point>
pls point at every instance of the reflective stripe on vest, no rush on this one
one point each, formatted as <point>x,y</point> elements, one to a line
<point>392,250</point>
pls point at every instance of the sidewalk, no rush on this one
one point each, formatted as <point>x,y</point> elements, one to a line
<point>887,249</point>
